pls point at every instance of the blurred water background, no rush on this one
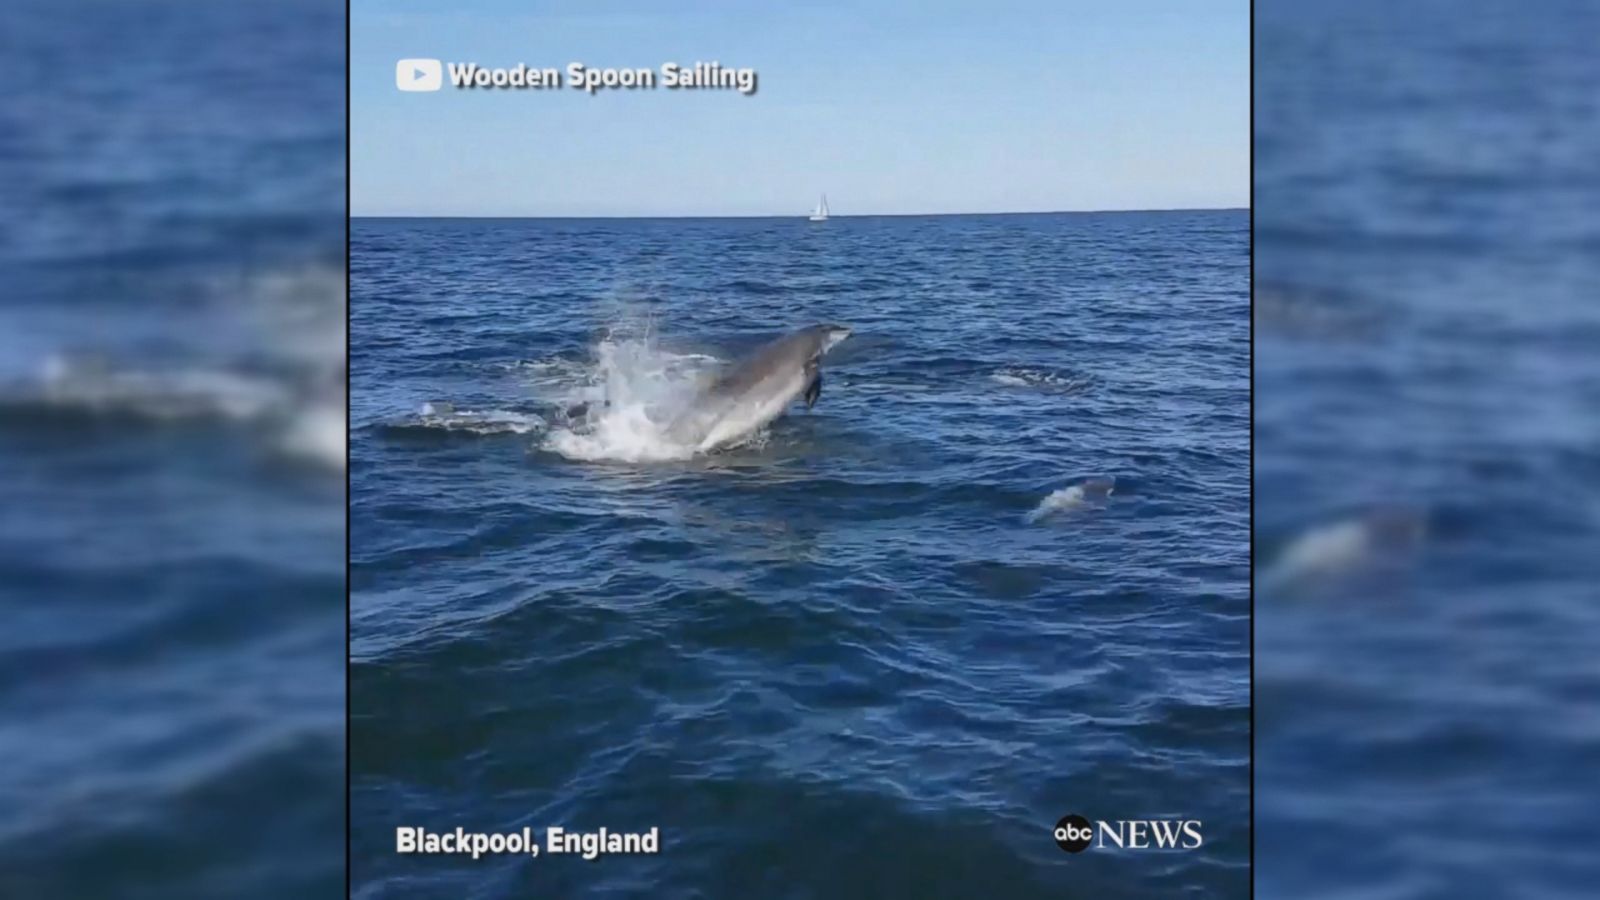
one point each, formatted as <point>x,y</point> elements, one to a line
<point>172,424</point>
<point>1427,514</point>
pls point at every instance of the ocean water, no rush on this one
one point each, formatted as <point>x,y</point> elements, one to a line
<point>1427,449</point>
<point>877,650</point>
<point>172,487</point>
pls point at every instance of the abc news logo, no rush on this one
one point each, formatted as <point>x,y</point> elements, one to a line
<point>1074,834</point>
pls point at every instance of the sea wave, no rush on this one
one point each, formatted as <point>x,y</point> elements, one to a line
<point>440,416</point>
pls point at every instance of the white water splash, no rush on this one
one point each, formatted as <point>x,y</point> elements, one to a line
<point>632,393</point>
<point>318,435</point>
<point>301,316</point>
<point>96,386</point>
<point>1073,496</point>
<point>283,381</point>
<point>1374,543</point>
<point>1039,379</point>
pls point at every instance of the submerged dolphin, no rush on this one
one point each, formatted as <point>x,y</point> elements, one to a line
<point>1095,490</point>
<point>758,389</point>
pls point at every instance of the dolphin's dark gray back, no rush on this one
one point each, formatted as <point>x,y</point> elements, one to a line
<point>797,348</point>
<point>765,380</point>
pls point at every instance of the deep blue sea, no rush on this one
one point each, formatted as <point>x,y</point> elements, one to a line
<point>878,650</point>
<point>171,455</point>
<point>1427,449</point>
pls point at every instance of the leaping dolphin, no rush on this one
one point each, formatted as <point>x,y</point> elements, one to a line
<point>758,389</point>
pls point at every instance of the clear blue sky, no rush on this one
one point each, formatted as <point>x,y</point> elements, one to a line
<point>889,107</point>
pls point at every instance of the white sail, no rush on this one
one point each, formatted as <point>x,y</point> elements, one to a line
<point>821,212</point>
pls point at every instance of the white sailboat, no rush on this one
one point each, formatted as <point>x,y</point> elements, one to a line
<point>820,214</point>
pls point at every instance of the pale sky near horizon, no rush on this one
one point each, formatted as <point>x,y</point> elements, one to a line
<point>888,107</point>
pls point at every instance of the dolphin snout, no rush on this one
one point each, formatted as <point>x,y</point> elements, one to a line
<point>833,334</point>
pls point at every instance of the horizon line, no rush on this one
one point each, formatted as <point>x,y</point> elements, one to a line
<point>1019,212</point>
